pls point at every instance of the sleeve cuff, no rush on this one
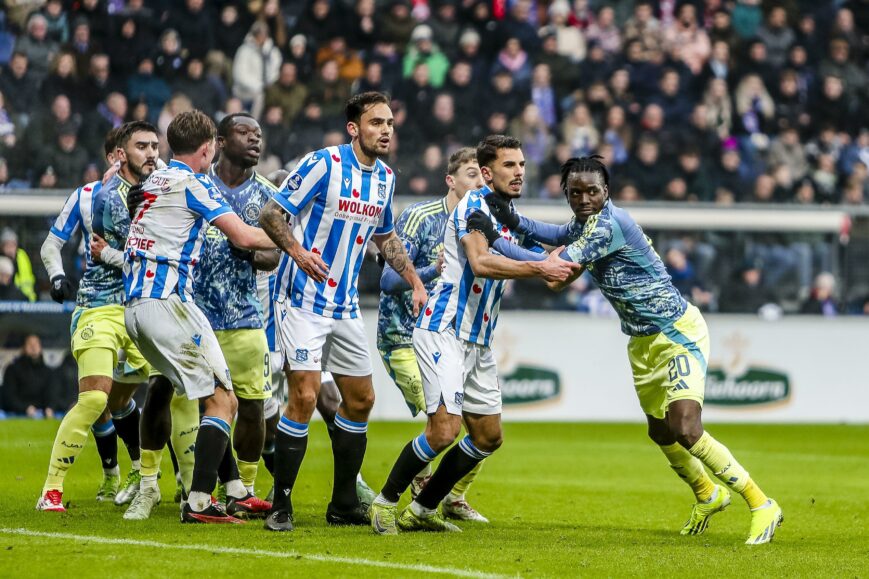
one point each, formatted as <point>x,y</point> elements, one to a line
<point>384,230</point>
<point>60,234</point>
<point>212,215</point>
<point>285,204</point>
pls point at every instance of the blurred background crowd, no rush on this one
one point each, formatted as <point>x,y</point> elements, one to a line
<point>726,102</point>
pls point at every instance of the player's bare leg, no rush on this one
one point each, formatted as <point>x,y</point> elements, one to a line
<point>684,421</point>
<point>291,443</point>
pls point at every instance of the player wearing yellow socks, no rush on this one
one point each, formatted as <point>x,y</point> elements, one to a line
<point>98,331</point>
<point>669,342</point>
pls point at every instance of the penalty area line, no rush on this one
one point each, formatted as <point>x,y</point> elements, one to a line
<point>257,553</point>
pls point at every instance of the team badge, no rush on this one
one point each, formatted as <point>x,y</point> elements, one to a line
<point>381,191</point>
<point>460,398</point>
<point>251,211</point>
<point>301,355</point>
<point>87,333</point>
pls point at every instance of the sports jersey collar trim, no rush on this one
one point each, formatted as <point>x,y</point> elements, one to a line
<point>214,177</point>
<point>176,164</point>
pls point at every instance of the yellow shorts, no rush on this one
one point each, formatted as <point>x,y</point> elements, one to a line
<point>247,356</point>
<point>403,369</point>
<point>103,327</point>
<point>671,365</point>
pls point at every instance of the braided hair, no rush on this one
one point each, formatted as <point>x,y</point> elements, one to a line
<point>590,164</point>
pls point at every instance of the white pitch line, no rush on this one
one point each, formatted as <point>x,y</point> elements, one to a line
<point>258,553</point>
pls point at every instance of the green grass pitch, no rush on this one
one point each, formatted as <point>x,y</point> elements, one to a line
<point>564,499</point>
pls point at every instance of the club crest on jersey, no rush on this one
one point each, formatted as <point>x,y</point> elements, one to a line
<point>294,181</point>
<point>301,355</point>
<point>251,211</point>
<point>381,191</point>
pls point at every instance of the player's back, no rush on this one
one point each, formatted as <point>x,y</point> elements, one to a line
<point>166,234</point>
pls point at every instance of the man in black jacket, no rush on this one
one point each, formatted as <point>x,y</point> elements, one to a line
<point>28,382</point>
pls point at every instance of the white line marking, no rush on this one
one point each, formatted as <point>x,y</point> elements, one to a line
<point>258,553</point>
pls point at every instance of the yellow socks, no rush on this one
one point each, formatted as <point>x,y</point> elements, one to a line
<point>185,427</point>
<point>247,472</point>
<point>717,457</point>
<point>462,486</point>
<point>690,470</point>
<point>72,435</point>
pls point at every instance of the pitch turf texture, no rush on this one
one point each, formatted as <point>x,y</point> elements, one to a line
<point>564,499</point>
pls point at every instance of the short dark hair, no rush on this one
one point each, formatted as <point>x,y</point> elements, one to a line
<point>590,164</point>
<point>459,158</point>
<point>359,103</point>
<point>111,141</point>
<point>487,149</point>
<point>189,131</point>
<point>126,131</point>
<point>227,122</point>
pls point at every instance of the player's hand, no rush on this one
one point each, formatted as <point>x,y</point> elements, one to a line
<point>479,221</point>
<point>555,269</point>
<point>311,264</point>
<point>439,264</point>
<point>111,172</point>
<point>242,254</point>
<point>61,289</point>
<point>97,246</point>
<point>501,210</point>
<point>418,299</point>
<point>135,197</point>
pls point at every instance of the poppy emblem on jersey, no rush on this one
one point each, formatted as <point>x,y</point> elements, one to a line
<point>336,158</point>
<point>251,211</point>
<point>355,193</point>
<point>294,181</point>
<point>301,355</point>
<point>359,239</point>
<point>149,274</point>
<point>332,282</point>
<point>381,190</point>
<point>428,311</point>
<point>315,250</point>
<point>477,289</point>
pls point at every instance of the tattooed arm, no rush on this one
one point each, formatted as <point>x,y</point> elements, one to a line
<point>273,221</point>
<point>393,252</point>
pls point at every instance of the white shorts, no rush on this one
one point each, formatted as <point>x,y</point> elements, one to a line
<point>177,340</point>
<point>312,342</point>
<point>458,374</point>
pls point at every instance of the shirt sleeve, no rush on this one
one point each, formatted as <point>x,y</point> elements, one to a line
<point>69,219</point>
<point>467,207</point>
<point>596,241</point>
<point>304,184</point>
<point>205,198</point>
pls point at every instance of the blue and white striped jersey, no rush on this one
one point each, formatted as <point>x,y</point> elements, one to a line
<point>337,204</point>
<point>167,233</point>
<point>460,300</point>
<point>224,285</point>
<point>101,209</point>
<point>265,289</point>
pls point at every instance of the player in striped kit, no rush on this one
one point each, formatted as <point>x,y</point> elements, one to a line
<point>161,255</point>
<point>339,197</point>
<point>98,331</point>
<point>452,343</point>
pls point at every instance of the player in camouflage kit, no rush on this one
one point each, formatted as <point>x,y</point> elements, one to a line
<point>421,227</point>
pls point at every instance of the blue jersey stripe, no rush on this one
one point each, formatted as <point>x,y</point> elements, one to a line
<point>477,324</point>
<point>464,289</point>
<point>160,279</point>
<point>441,305</point>
<point>341,290</point>
<point>366,185</point>
<point>184,261</point>
<point>329,252</point>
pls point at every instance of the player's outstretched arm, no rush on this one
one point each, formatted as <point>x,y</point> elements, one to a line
<point>486,264</point>
<point>273,221</point>
<point>241,234</point>
<point>393,252</point>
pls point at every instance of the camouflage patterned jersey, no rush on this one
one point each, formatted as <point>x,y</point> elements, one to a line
<point>421,227</point>
<point>224,285</point>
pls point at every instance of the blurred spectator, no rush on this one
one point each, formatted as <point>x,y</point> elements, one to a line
<point>63,79</point>
<point>28,383</point>
<point>719,107</point>
<point>422,49</point>
<point>230,30</point>
<point>98,83</point>
<point>822,298</point>
<point>689,40</point>
<point>37,46</point>
<point>839,64</point>
<point>276,135</point>
<point>19,86</point>
<point>397,24</point>
<point>685,279</point>
<point>579,132</point>
<point>256,65</point>
<point>517,25</point>
<point>105,117</point>
<point>776,35</point>
<point>645,28</point>
<point>82,46</point>
<point>350,65</point>
<point>604,31</point>
<point>148,88</point>
<point>744,293</point>
<point>646,171</point>
<point>9,292</point>
<point>287,93</point>
<point>24,279</point>
<point>569,41</point>
<point>170,56</point>
<point>754,107</point>
<point>672,98</point>
<point>128,44</point>
<point>63,163</point>
<point>202,91</point>
<point>364,26</point>
<point>191,20</point>
<point>444,23</point>
<point>57,24</point>
<point>696,175</point>
<point>179,103</point>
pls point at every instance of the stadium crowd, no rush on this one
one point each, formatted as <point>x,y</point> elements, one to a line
<point>728,102</point>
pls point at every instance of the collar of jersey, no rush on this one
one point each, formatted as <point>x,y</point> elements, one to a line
<point>176,164</point>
